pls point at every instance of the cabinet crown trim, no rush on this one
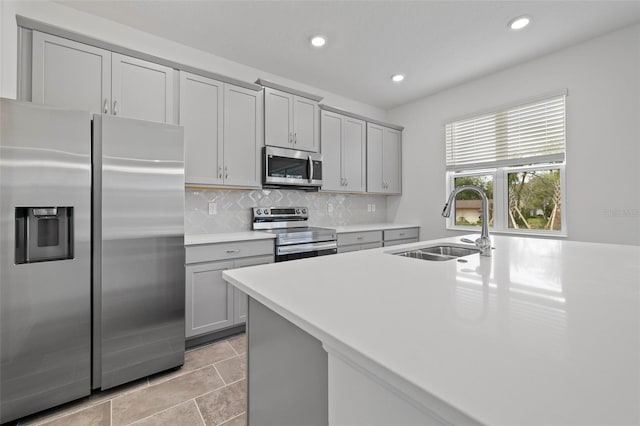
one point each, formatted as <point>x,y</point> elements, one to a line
<point>324,107</point>
<point>271,85</point>
<point>43,27</point>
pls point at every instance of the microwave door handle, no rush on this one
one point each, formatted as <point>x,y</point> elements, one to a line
<point>310,169</point>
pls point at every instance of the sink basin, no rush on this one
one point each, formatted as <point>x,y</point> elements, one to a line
<point>438,253</point>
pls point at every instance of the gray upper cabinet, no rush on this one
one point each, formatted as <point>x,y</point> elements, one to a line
<point>70,74</point>
<point>278,118</point>
<point>290,121</point>
<point>141,89</point>
<point>344,152</point>
<point>305,124</point>
<point>201,115</point>
<point>222,130</point>
<point>384,156</point>
<point>75,75</point>
<point>242,136</point>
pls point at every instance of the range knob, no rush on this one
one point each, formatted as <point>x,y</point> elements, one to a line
<point>258,212</point>
<point>304,211</point>
<point>265,211</point>
<point>297,211</point>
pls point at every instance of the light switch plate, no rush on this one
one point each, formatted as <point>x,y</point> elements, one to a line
<point>330,208</point>
<point>373,207</point>
<point>213,209</point>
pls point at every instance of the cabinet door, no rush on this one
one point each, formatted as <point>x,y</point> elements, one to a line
<point>354,154</point>
<point>242,136</point>
<point>209,298</point>
<point>374,158</point>
<point>331,135</point>
<point>201,115</point>
<point>278,118</point>
<point>70,74</point>
<point>240,299</point>
<point>305,124</point>
<point>141,89</point>
<point>391,161</point>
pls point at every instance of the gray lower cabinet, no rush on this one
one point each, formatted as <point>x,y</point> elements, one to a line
<point>394,237</point>
<point>211,303</point>
<point>354,241</point>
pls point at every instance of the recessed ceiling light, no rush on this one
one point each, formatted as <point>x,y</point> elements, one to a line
<point>519,23</point>
<point>397,78</point>
<point>318,41</point>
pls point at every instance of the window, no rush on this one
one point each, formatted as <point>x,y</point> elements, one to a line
<point>517,156</point>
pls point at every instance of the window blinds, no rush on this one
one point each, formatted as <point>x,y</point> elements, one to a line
<point>524,134</point>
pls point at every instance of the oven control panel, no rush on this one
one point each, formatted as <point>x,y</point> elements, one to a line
<point>281,212</point>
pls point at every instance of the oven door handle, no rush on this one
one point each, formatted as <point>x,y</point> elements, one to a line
<point>303,248</point>
<point>310,161</point>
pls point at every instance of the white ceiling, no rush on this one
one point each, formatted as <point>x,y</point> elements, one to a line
<point>437,44</point>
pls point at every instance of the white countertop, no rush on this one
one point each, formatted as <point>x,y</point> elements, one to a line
<point>543,332</point>
<point>225,237</point>
<point>371,227</point>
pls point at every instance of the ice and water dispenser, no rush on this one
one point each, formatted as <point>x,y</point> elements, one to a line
<point>43,234</point>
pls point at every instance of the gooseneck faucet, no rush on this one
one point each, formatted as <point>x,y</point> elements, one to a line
<point>484,242</point>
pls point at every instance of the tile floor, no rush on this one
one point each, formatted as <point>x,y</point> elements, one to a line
<point>210,389</point>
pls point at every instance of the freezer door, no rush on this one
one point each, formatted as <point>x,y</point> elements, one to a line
<point>45,306</point>
<point>138,249</point>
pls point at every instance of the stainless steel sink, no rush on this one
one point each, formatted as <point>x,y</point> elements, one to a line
<point>438,253</point>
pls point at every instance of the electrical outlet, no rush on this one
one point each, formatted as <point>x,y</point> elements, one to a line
<point>373,207</point>
<point>213,209</point>
<point>330,208</point>
<point>369,208</point>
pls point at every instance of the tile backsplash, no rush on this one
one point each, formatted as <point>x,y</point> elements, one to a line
<point>232,213</point>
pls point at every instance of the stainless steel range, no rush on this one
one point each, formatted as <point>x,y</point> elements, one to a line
<point>294,238</point>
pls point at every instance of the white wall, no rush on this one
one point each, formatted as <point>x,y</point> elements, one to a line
<point>603,136</point>
<point>96,27</point>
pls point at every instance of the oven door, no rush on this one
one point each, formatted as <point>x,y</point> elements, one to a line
<point>302,251</point>
<point>290,167</point>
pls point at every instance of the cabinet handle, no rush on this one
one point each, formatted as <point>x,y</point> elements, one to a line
<point>115,107</point>
<point>346,182</point>
<point>226,172</point>
<point>401,234</point>
<point>290,138</point>
<point>220,172</point>
<point>105,108</point>
<point>233,251</point>
<point>360,238</point>
<point>295,138</point>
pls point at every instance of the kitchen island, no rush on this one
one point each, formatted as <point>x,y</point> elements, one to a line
<point>542,332</point>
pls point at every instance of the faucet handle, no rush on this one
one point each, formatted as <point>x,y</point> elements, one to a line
<point>466,240</point>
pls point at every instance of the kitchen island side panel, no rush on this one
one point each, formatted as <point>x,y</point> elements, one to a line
<point>287,372</point>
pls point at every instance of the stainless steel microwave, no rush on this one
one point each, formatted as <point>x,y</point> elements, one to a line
<point>290,168</point>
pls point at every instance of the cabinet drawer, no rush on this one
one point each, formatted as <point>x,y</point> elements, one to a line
<point>371,245</point>
<point>226,251</point>
<point>400,234</point>
<point>359,238</point>
<point>398,242</point>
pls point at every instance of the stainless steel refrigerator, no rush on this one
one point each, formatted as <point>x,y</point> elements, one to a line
<point>91,253</point>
